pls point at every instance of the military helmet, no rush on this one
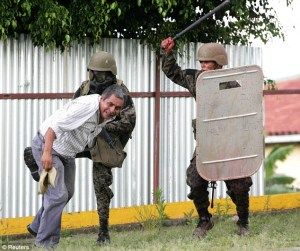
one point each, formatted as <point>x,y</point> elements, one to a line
<point>212,52</point>
<point>103,61</point>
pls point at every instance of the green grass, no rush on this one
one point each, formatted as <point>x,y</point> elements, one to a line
<point>269,231</point>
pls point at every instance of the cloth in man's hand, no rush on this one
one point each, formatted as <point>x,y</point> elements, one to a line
<point>46,179</point>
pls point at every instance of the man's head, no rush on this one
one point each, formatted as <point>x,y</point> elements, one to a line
<point>112,100</point>
<point>102,70</point>
<point>212,56</point>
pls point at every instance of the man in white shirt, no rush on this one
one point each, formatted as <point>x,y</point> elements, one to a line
<point>64,134</point>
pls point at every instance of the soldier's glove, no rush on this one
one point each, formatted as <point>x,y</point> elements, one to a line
<point>167,45</point>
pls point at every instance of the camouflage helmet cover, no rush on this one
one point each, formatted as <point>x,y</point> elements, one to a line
<point>103,61</point>
<point>212,52</point>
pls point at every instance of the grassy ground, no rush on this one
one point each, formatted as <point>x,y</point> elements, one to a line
<point>269,231</point>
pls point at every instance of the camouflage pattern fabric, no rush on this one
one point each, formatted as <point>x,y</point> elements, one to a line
<point>102,175</point>
<point>185,78</point>
<point>238,188</point>
<point>102,179</point>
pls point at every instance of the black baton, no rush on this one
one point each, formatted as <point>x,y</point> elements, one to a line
<point>219,7</point>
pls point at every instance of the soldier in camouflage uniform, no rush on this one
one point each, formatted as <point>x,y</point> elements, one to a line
<point>212,56</point>
<point>102,73</point>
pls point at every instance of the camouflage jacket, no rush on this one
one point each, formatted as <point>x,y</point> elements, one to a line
<point>125,122</point>
<point>185,78</point>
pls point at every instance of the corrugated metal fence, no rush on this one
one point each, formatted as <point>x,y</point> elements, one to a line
<point>25,69</point>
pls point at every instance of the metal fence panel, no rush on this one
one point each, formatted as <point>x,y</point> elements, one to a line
<point>28,69</point>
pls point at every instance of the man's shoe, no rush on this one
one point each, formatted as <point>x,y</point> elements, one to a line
<point>31,231</point>
<point>103,238</point>
<point>242,229</point>
<point>31,164</point>
<point>204,225</point>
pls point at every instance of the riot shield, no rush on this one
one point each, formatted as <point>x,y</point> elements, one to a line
<point>229,127</point>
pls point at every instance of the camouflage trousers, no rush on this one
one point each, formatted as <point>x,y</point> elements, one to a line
<point>238,190</point>
<point>102,178</point>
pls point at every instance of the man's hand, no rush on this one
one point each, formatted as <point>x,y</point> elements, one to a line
<point>167,44</point>
<point>47,153</point>
<point>47,161</point>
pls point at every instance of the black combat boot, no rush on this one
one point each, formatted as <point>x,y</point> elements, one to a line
<point>31,164</point>
<point>243,228</point>
<point>199,195</point>
<point>205,223</point>
<point>103,236</point>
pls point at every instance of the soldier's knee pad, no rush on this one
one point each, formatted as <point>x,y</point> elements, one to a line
<point>31,164</point>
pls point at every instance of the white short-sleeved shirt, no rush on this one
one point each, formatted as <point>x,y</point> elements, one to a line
<point>76,124</point>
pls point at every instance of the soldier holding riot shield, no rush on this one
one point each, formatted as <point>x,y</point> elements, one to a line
<point>212,56</point>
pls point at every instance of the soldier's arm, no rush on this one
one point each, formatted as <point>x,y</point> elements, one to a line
<point>82,90</point>
<point>185,78</point>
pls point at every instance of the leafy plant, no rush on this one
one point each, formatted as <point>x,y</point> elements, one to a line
<point>160,205</point>
<point>60,22</point>
<point>222,210</point>
<point>277,183</point>
<point>146,217</point>
<point>188,216</point>
<point>267,203</point>
<point>152,219</point>
<point>270,84</point>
